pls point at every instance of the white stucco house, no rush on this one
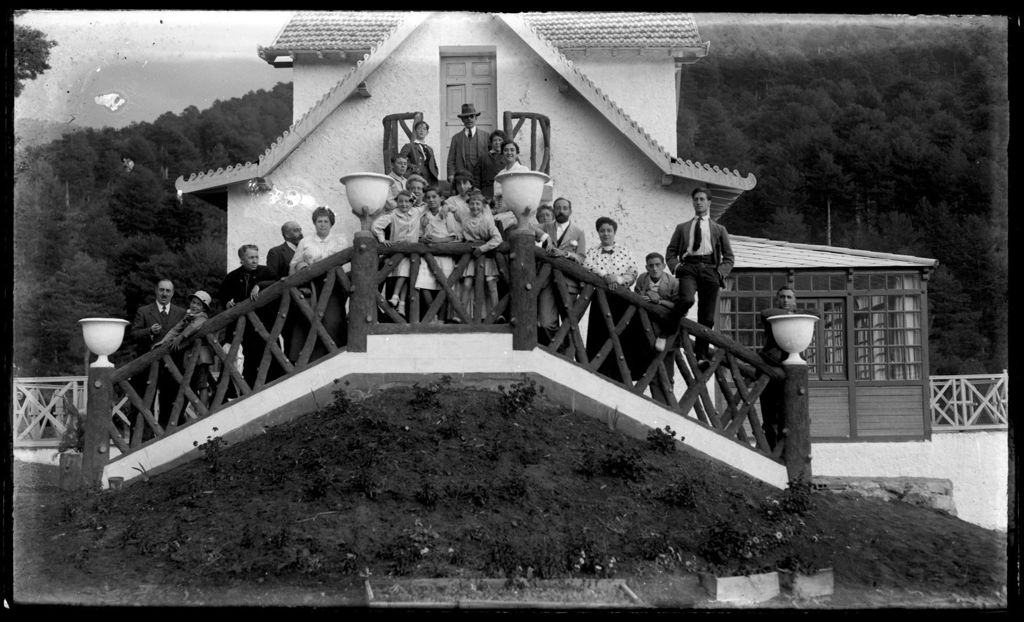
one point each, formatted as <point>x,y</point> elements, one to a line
<point>608,86</point>
<point>608,83</point>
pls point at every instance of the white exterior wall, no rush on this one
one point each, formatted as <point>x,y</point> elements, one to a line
<point>976,463</point>
<point>311,81</point>
<point>643,85</point>
<point>592,162</point>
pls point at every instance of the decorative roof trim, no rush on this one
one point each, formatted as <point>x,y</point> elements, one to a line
<point>619,118</point>
<point>314,117</point>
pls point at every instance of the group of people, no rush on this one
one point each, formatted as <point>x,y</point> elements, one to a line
<point>692,269</point>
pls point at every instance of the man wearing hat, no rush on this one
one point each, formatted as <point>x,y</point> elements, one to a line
<point>468,146</point>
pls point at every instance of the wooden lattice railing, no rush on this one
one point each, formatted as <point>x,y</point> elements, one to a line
<point>307,291</point>
<point>523,273</point>
<point>969,402</point>
<point>467,312</point>
<point>741,375</point>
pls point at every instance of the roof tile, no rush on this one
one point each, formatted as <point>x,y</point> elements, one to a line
<point>616,30</point>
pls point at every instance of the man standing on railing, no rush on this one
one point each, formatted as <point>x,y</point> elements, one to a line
<point>468,146</point>
<point>773,395</point>
<point>150,325</point>
<point>699,255</point>
<point>239,285</point>
<point>568,241</point>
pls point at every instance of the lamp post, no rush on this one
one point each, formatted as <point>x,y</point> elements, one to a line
<point>103,336</point>
<point>793,332</point>
<point>522,191</point>
<point>366,193</point>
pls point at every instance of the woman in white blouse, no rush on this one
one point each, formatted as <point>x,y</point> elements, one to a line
<point>615,264</point>
<point>312,249</point>
<point>510,153</point>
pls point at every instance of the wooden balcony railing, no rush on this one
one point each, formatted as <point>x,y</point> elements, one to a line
<point>540,151</point>
<point>970,402</point>
<point>523,273</point>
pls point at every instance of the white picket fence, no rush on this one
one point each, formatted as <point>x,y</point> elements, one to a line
<point>969,402</point>
<point>40,409</point>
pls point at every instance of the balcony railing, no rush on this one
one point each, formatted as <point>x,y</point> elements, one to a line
<point>42,407</point>
<point>969,402</point>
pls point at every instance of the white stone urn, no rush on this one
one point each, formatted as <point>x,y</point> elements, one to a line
<point>521,192</point>
<point>367,193</point>
<point>103,336</point>
<point>793,332</point>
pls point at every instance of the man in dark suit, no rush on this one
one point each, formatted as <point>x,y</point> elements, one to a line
<point>568,241</point>
<point>279,257</point>
<point>468,146</point>
<point>278,260</point>
<point>700,256</point>
<point>238,285</point>
<point>772,397</point>
<point>151,323</point>
<point>421,157</point>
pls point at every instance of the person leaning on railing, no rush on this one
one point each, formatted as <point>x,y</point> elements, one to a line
<point>197,314</point>
<point>322,244</point>
<point>615,264</point>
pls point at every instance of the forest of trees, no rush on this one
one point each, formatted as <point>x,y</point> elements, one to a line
<point>92,234</point>
<point>901,133</point>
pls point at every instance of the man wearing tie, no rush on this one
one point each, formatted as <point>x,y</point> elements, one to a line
<point>700,256</point>
<point>568,241</point>
<point>468,147</point>
<point>420,155</point>
<point>151,323</point>
<point>279,259</point>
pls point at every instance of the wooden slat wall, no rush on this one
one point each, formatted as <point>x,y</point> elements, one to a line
<point>890,411</point>
<point>830,411</point>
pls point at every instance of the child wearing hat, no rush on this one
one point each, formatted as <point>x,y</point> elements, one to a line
<point>196,315</point>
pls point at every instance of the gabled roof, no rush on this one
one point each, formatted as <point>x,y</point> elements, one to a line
<point>357,31</point>
<point>725,185</point>
<point>573,30</point>
<point>205,184</point>
<point>331,31</point>
<point>762,253</point>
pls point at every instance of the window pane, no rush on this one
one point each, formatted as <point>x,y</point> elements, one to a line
<point>802,282</point>
<point>860,281</point>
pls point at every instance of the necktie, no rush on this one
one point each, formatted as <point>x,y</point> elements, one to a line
<point>163,312</point>
<point>423,152</point>
<point>608,251</point>
<point>469,133</point>
<point>697,236</point>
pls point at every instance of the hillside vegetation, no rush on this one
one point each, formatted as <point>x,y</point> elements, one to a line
<point>445,480</point>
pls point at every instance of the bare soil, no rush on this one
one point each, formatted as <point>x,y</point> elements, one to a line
<point>438,480</point>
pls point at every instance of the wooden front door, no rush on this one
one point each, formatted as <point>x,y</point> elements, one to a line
<point>467,79</point>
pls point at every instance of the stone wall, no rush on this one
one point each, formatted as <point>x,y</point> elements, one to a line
<point>926,492</point>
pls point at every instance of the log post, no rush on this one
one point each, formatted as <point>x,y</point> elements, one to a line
<point>362,306</point>
<point>797,425</point>
<point>96,440</point>
<point>523,302</point>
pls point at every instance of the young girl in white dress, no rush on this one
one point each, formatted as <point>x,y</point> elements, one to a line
<point>435,226</point>
<point>404,221</point>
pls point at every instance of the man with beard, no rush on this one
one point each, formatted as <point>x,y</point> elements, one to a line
<point>568,241</point>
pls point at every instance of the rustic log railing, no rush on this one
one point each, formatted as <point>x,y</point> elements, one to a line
<point>393,140</point>
<point>523,273</point>
<point>970,402</point>
<point>288,296</point>
<point>740,374</point>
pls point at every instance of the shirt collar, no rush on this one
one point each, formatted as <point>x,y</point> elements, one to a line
<point>290,245</point>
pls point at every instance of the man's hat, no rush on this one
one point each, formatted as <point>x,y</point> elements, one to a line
<point>202,297</point>
<point>468,110</point>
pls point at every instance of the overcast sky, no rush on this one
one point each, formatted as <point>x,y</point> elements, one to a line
<point>141,64</point>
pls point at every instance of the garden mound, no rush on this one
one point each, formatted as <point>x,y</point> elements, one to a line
<point>443,480</point>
